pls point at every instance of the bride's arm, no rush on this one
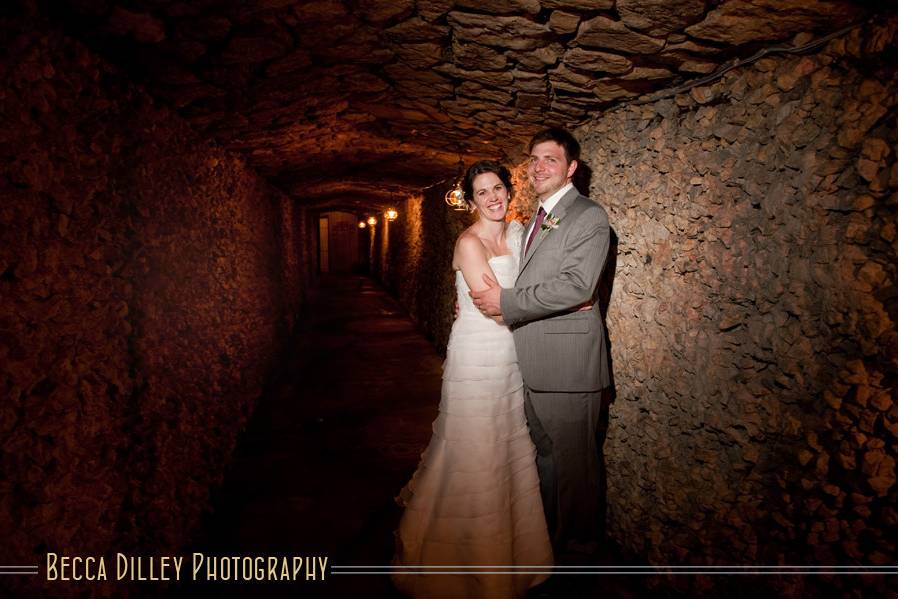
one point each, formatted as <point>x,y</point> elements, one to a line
<point>470,258</point>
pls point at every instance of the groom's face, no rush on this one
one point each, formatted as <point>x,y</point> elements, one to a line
<point>549,169</point>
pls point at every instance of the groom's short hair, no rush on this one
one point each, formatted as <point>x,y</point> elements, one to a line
<point>560,136</point>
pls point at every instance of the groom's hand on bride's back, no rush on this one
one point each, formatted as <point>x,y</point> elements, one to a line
<point>457,310</point>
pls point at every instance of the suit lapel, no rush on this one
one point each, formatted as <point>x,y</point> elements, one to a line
<point>558,212</point>
<point>523,242</point>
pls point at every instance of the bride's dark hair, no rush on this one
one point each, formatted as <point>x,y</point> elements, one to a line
<point>479,168</point>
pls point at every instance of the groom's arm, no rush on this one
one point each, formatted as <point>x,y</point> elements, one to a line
<point>581,265</point>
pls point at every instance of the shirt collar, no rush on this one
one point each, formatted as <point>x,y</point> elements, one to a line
<point>552,200</point>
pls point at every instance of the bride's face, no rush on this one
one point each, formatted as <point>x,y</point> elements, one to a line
<point>490,196</point>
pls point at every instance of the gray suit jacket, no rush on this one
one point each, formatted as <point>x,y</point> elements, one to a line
<point>560,348</point>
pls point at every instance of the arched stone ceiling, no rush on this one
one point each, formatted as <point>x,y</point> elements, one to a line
<point>359,100</point>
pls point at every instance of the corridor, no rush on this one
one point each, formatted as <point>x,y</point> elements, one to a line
<point>187,365</point>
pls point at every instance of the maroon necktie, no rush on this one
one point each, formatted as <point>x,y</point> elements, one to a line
<point>540,217</point>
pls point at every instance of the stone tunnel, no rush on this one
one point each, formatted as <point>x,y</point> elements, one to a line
<point>185,183</point>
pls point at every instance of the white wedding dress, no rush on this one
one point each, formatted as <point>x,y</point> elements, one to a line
<point>474,499</point>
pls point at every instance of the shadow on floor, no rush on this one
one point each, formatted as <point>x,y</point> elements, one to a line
<point>331,444</point>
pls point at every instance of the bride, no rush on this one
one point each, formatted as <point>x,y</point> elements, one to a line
<point>474,499</point>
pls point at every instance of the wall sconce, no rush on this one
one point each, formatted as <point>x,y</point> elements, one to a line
<point>391,214</point>
<point>455,197</point>
<point>372,221</point>
<point>362,224</point>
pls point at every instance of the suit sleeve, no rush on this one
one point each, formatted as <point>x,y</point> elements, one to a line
<point>583,258</point>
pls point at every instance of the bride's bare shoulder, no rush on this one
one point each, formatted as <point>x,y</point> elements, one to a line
<point>468,241</point>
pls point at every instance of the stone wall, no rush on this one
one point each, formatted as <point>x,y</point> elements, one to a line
<point>418,261</point>
<point>147,281</point>
<point>753,313</point>
<point>292,263</point>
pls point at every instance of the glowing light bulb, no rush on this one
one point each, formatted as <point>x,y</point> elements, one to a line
<point>456,198</point>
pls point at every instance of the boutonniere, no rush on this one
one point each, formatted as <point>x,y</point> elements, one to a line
<point>550,222</point>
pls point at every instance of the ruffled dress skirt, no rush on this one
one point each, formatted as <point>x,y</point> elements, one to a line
<point>474,501</point>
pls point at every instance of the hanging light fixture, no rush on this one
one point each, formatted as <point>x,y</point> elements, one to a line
<point>455,197</point>
<point>372,221</point>
<point>391,214</point>
<point>362,224</point>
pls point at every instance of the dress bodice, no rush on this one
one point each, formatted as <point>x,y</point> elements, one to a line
<point>505,267</point>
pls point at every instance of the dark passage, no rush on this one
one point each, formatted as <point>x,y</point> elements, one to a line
<point>331,444</point>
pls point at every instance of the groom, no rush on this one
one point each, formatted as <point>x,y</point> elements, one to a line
<point>560,344</point>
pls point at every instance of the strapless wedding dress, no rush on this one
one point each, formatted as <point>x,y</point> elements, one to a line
<point>474,499</point>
